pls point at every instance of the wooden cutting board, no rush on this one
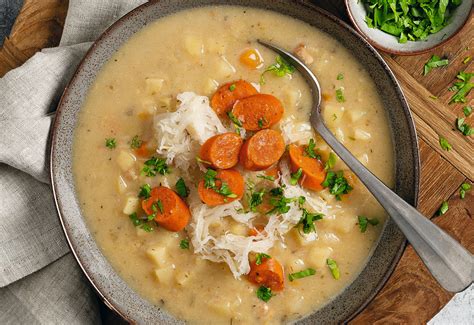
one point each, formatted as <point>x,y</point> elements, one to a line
<point>410,295</point>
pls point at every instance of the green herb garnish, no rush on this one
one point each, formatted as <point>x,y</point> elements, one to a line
<point>136,143</point>
<point>331,162</point>
<point>145,191</point>
<point>333,268</point>
<point>140,223</point>
<point>256,199</point>
<point>464,128</point>
<point>261,256</point>
<point>337,184</point>
<point>267,177</point>
<point>340,96</point>
<point>210,182</point>
<point>264,293</point>
<point>443,208</point>
<point>364,221</point>
<point>462,87</point>
<point>301,274</point>
<point>277,191</point>
<point>340,76</point>
<point>154,166</point>
<point>234,119</point>
<point>232,87</point>
<point>465,187</point>
<point>181,188</point>
<point>308,219</point>
<point>199,160</point>
<point>434,62</point>
<point>296,176</point>
<point>110,143</point>
<point>262,122</point>
<point>184,244</point>
<point>467,110</point>
<point>279,69</point>
<point>157,206</point>
<point>310,152</point>
<point>444,144</point>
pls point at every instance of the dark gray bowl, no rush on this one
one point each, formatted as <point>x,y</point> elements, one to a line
<point>103,277</point>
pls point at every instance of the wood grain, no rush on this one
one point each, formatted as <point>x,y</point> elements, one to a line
<point>410,295</point>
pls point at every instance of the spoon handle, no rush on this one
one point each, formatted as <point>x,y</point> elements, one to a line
<point>450,263</point>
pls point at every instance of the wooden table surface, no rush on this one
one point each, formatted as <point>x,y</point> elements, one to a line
<point>410,295</point>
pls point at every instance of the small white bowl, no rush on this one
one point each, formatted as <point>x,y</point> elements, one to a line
<point>389,43</point>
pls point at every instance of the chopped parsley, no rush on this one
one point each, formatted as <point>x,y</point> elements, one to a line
<point>434,62</point>
<point>296,176</point>
<point>280,69</point>
<point>264,293</point>
<point>444,144</point>
<point>266,177</point>
<point>340,96</point>
<point>210,182</point>
<point>464,128</point>
<point>260,256</point>
<point>157,205</point>
<point>262,122</point>
<point>465,187</point>
<point>364,221</point>
<point>234,119</point>
<point>145,191</point>
<point>409,20</point>
<point>467,110</point>
<point>277,191</point>
<point>301,274</point>
<point>340,76</point>
<point>184,244</point>
<point>337,184</point>
<point>232,87</point>
<point>136,143</point>
<point>308,219</point>
<point>443,208</point>
<point>331,162</point>
<point>256,198</point>
<point>155,165</point>
<point>181,188</point>
<point>310,150</point>
<point>333,268</point>
<point>199,160</point>
<point>110,143</point>
<point>462,87</point>
<point>140,223</point>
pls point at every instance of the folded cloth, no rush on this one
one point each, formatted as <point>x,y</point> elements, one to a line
<point>40,282</point>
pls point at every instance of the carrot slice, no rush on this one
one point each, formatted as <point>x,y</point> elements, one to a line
<point>273,171</point>
<point>170,210</point>
<point>225,97</point>
<point>222,150</point>
<point>256,230</point>
<point>313,170</point>
<point>269,273</point>
<point>143,151</point>
<point>262,150</point>
<point>232,178</point>
<point>258,112</point>
<point>251,58</point>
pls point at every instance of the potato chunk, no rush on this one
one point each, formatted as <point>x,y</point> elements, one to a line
<point>317,256</point>
<point>158,255</point>
<point>165,275</point>
<point>131,205</point>
<point>125,160</point>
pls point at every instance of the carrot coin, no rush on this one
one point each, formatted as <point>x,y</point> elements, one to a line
<point>259,111</point>
<point>225,97</point>
<point>226,186</point>
<point>268,273</point>
<point>251,58</point>
<point>313,170</point>
<point>262,150</point>
<point>170,211</point>
<point>222,150</point>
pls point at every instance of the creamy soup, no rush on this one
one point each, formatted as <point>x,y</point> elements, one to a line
<point>199,274</point>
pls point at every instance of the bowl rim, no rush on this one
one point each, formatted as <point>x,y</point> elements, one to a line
<point>404,104</point>
<point>376,44</point>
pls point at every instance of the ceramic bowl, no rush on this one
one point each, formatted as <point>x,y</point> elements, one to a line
<point>389,43</point>
<point>109,285</point>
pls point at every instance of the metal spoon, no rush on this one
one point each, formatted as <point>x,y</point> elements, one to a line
<point>450,263</point>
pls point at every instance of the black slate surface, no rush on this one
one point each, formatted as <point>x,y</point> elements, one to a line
<point>9,9</point>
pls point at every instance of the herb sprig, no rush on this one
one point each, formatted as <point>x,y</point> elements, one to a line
<point>280,68</point>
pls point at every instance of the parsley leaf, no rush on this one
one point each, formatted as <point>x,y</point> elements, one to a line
<point>234,119</point>
<point>155,165</point>
<point>364,221</point>
<point>256,199</point>
<point>181,188</point>
<point>184,244</point>
<point>333,268</point>
<point>444,144</point>
<point>331,162</point>
<point>210,182</point>
<point>301,274</point>
<point>443,208</point>
<point>279,69</point>
<point>340,76</point>
<point>434,62</point>
<point>145,191</point>
<point>464,128</point>
<point>136,143</point>
<point>467,110</point>
<point>232,87</point>
<point>465,187</point>
<point>157,205</point>
<point>225,191</point>
<point>308,219</point>
<point>340,96</point>
<point>264,293</point>
<point>267,177</point>
<point>277,191</point>
<point>337,184</point>
<point>310,149</point>
<point>111,143</point>
<point>262,122</point>
<point>140,223</point>
<point>261,256</point>
<point>462,87</point>
<point>296,176</point>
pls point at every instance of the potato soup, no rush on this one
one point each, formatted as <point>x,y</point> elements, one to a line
<point>201,178</point>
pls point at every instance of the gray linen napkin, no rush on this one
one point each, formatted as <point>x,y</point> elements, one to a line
<point>40,282</point>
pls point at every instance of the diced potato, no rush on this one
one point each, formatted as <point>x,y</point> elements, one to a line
<point>131,205</point>
<point>225,307</point>
<point>339,134</point>
<point>125,160</point>
<point>165,103</point>
<point>294,301</point>
<point>355,114</point>
<point>364,159</point>
<point>148,106</point>
<point>153,85</point>
<point>317,256</point>
<point>168,239</point>
<point>210,86</point>
<point>141,233</point>
<point>328,197</point>
<point>360,134</point>
<point>239,229</point>
<point>291,97</point>
<point>165,275</point>
<point>158,255</point>
<point>194,46</point>
<point>304,239</point>
<point>344,223</point>
<point>295,264</point>
<point>183,277</point>
<point>333,114</point>
<point>121,185</point>
<point>224,69</point>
